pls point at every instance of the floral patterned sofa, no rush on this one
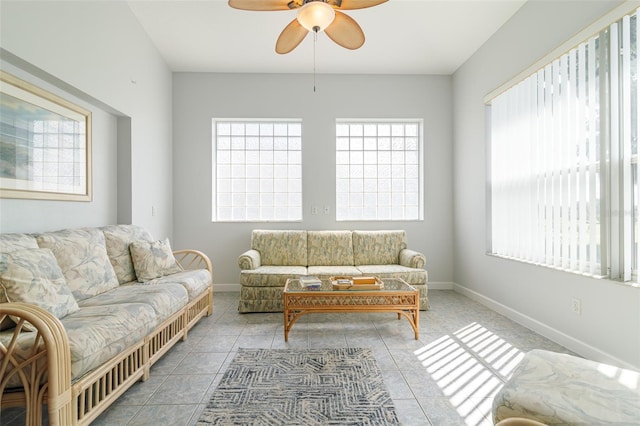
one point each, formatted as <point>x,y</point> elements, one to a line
<point>277,255</point>
<point>85,312</point>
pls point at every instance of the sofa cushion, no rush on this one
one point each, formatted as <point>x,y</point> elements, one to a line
<point>378,247</point>
<point>329,248</point>
<point>82,256</point>
<point>153,259</point>
<point>118,238</point>
<point>194,281</point>
<point>33,276</point>
<point>98,333</point>
<point>11,242</point>
<point>410,275</point>
<point>280,248</point>
<point>165,299</point>
<point>333,271</point>
<point>8,243</point>
<point>556,388</point>
<point>270,276</point>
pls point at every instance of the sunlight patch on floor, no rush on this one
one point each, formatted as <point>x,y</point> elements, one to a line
<point>470,366</point>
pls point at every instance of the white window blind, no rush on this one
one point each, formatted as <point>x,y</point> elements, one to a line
<point>563,173</point>
<point>379,170</point>
<point>257,170</point>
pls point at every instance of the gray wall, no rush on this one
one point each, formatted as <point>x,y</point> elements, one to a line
<point>199,97</point>
<point>609,327</point>
<point>99,51</point>
<point>38,215</point>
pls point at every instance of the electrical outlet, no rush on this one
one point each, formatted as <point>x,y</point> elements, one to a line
<point>314,210</point>
<point>327,209</point>
<point>576,306</point>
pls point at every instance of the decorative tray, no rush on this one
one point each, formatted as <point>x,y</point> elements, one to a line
<point>356,283</point>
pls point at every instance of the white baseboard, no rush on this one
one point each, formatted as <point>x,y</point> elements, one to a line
<point>571,343</point>
<point>440,285</point>
<point>224,288</point>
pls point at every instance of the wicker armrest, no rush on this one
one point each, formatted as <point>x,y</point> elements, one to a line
<point>412,258</point>
<point>47,358</point>
<point>193,259</point>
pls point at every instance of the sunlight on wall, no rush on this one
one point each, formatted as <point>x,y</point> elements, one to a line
<point>470,366</point>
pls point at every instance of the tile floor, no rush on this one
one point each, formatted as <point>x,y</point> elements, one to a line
<point>447,377</point>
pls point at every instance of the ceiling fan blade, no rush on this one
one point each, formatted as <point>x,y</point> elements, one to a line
<point>291,37</point>
<point>261,5</point>
<point>345,31</point>
<point>357,4</point>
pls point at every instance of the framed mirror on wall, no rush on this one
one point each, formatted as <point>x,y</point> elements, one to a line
<point>45,144</point>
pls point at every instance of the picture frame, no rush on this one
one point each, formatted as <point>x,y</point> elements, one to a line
<point>45,144</point>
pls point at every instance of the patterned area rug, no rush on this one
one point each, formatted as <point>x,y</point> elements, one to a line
<point>301,387</point>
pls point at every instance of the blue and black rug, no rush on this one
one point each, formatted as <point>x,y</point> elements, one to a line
<point>301,387</point>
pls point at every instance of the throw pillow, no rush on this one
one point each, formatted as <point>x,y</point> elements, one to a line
<point>118,238</point>
<point>33,276</point>
<point>153,259</point>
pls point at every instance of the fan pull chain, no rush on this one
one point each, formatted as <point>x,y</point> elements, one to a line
<point>315,41</point>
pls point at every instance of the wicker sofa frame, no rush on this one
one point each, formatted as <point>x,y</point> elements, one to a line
<point>46,373</point>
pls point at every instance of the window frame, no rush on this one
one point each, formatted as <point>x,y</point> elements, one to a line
<point>293,166</point>
<point>343,197</point>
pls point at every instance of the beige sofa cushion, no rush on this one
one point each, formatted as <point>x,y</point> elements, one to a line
<point>195,281</point>
<point>329,248</point>
<point>118,238</point>
<point>281,248</point>
<point>410,275</point>
<point>33,276</point>
<point>270,276</point>
<point>378,247</point>
<point>82,256</point>
<point>326,271</point>
<point>165,299</point>
<point>11,242</point>
<point>560,389</point>
<point>98,333</point>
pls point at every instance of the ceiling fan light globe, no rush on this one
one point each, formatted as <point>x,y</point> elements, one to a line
<point>316,16</point>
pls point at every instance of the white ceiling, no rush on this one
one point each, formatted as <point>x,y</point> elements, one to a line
<point>402,37</point>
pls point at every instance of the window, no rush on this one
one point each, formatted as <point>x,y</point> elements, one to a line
<point>58,158</point>
<point>564,160</point>
<point>379,170</point>
<point>257,170</point>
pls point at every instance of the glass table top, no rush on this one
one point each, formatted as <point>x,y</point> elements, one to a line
<point>389,284</point>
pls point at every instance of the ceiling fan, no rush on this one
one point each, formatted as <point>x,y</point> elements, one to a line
<point>316,16</point>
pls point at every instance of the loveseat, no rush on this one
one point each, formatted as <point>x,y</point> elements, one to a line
<point>276,255</point>
<point>85,312</point>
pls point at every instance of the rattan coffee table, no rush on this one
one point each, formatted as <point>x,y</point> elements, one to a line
<point>397,296</point>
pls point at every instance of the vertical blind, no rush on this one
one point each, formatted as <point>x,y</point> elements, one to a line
<point>563,171</point>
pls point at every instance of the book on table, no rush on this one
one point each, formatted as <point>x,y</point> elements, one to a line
<point>310,282</point>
